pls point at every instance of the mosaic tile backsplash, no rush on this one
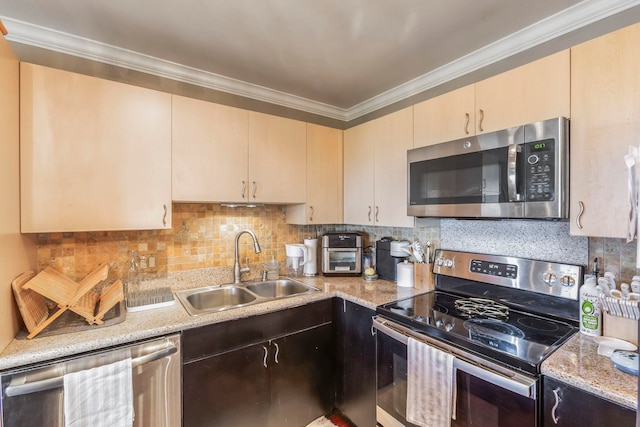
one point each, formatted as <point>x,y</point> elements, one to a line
<point>203,236</point>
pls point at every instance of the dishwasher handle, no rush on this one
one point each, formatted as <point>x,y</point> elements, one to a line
<point>480,368</point>
<point>58,381</point>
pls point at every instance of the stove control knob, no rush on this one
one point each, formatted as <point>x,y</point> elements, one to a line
<point>448,326</point>
<point>448,263</point>
<point>567,281</point>
<point>549,278</point>
<point>439,262</point>
<point>439,323</point>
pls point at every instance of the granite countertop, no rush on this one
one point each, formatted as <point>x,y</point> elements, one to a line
<point>166,320</point>
<point>578,363</point>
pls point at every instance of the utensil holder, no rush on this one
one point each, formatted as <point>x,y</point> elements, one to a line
<point>620,327</point>
<point>423,277</point>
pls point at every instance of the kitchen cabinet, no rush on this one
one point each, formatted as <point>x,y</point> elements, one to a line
<point>529,93</point>
<point>446,117</point>
<point>567,406</point>
<point>210,151</point>
<point>226,154</point>
<point>277,159</point>
<point>605,122</point>
<point>275,369</point>
<point>356,360</point>
<point>375,171</point>
<point>535,91</point>
<point>94,154</point>
<point>324,179</point>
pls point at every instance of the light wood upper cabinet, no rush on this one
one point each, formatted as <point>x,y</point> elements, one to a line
<point>445,117</point>
<point>530,93</point>
<point>210,152</point>
<point>324,179</point>
<point>225,154</point>
<point>605,121</point>
<point>375,171</point>
<point>277,159</point>
<point>95,154</point>
<point>536,91</point>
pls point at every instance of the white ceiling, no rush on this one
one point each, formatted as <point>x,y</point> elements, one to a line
<point>337,58</point>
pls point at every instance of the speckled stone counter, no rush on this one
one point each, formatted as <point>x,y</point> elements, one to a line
<point>578,363</point>
<point>161,321</point>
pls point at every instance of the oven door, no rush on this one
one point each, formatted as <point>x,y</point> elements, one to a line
<point>486,394</point>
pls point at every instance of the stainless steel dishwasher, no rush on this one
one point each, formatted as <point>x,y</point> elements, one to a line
<point>34,396</point>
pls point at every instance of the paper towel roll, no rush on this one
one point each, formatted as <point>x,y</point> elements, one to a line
<point>405,274</point>
<point>311,267</point>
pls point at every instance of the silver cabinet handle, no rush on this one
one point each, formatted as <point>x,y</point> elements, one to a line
<point>164,217</point>
<point>369,214</point>
<point>481,120</point>
<point>275,358</point>
<point>554,417</point>
<point>244,188</point>
<point>377,210</point>
<point>579,216</point>
<point>266,353</point>
<point>311,215</point>
<point>253,192</point>
<point>466,123</point>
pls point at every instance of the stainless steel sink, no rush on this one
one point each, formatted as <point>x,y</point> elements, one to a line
<point>211,299</point>
<point>278,288</point>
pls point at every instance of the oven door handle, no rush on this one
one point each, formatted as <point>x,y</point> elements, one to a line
<point>482,369</point>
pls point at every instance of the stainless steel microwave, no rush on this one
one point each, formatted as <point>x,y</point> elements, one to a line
<point>520,172</point>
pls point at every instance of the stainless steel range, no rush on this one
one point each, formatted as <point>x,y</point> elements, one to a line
<point>499,317</point>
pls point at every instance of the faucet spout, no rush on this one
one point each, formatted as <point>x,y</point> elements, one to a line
<point>237,271</point>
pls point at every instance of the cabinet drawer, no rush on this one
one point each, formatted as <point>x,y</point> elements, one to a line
<point>221,337</point>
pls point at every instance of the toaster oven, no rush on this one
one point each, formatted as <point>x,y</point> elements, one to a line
<point>342,254</point>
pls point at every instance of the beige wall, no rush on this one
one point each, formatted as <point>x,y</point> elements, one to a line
<point>17,252</point>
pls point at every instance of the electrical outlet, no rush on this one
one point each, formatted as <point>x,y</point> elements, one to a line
<point>152,261</point>
<point>143,263</point>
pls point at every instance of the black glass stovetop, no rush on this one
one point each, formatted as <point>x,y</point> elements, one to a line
<point>520,340</point>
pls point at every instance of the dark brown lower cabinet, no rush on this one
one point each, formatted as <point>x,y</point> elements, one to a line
<point>281,374</point>
<point>568,406</point>
<point>356,370</point>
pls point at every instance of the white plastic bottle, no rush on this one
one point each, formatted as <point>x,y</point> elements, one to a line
<point>590,314</point>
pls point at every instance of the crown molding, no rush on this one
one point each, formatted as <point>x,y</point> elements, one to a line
<point>564,22</point>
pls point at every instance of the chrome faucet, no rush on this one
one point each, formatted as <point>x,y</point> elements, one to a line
<point>237,271</point>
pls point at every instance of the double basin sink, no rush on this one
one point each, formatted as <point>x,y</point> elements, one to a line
<point>211,299</point>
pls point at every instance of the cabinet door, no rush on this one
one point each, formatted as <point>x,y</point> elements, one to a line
<point>356,370</point>
<point>536,91</point>
<point>359,157</point>
<point>324,179</point>
<point>393,139</point>
<point>566,406</point>
<point>210,151</point>
<point>605,122</point>
<point>302,377</point>
<point>277,159</point>
<point>445,117</point>
<point>230,389</point>
<point>95,154</point>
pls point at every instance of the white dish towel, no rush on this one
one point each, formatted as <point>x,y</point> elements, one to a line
<point>99,397</point>
<point>430,385</point>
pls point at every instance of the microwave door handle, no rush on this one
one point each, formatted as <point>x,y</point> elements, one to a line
<point>512,173</point>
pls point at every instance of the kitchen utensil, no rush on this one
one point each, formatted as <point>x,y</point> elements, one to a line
<point>607,345</point>
<point>626,361</point>
<point>297,256</point>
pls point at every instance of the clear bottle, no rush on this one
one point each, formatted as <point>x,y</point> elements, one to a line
<point>131,275</point>
<point>273,269</point>
<point>590,313</point>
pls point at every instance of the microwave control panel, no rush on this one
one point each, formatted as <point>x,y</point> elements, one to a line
<point>540,170</point>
